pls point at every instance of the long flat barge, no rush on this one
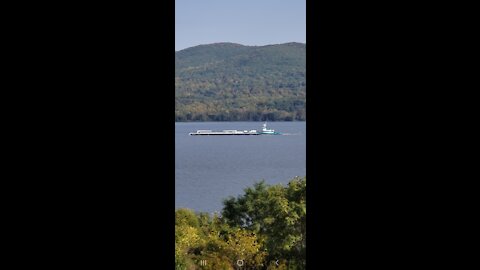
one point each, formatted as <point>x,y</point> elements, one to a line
<point>225,132</point>
<point>264,131</point>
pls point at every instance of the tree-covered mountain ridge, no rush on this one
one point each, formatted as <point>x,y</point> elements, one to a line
<point>234,82</point>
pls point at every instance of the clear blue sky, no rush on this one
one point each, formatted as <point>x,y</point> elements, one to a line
<point>247,22</point>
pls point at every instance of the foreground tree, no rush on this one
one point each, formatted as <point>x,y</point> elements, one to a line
<point>277,214</point>
<point>266,224</point>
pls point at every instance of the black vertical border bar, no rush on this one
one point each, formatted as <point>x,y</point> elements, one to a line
<point>166,177</point>
<point>314,229</point>
<point>171,213</point>
<point>97,166</point>
<point>168,246</point>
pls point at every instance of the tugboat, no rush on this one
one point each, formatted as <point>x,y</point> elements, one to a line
<point>268,131</point>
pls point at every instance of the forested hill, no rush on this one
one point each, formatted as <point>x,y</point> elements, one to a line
<point>232,82</point>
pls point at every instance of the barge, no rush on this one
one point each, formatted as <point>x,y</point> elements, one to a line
<point>264,131</point>
<point>225,132</point>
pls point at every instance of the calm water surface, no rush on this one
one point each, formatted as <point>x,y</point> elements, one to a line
<point>208,169</point>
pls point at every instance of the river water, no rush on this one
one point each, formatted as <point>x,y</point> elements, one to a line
<point>208,169</point>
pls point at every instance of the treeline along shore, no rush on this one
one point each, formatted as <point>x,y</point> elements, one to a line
<point>232,82</point>
<point>240,115</point>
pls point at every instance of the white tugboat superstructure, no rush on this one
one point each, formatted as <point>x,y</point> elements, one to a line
<point>267,131</point>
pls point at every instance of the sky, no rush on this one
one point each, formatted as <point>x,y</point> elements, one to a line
<point>247,22</point>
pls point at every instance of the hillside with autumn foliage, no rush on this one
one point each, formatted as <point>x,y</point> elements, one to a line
<point>232,82</point>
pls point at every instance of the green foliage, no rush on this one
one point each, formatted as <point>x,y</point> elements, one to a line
<point>231,82</point>
<point>187,217</point>
<point>242,244</point>
<point>278,213</point>
<point>186,238</point>
<point>264,224</point>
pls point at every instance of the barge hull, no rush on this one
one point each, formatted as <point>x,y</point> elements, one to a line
<point>222,134</point>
